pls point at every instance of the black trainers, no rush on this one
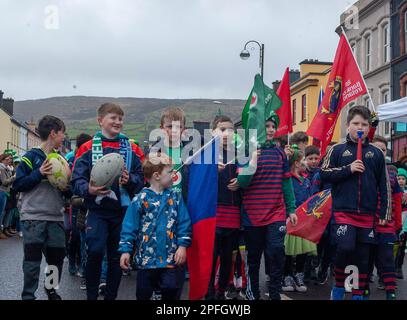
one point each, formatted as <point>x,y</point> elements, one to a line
<point>52,294</point>
<point>220,295</point>
<point>102,289</point>
<point>231,293</point>
<point>83,284</point>
<point>380,284</point>
<point>399,274</point>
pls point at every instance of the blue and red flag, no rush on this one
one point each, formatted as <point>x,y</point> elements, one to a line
<point>202,203</point>
<point>313,217</point>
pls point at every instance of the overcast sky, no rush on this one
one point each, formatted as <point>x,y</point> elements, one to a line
<point>157,48</point>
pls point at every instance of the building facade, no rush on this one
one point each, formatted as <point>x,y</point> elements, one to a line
<point>305,94</point>
<point>399,73</point>
<point>370,40</point>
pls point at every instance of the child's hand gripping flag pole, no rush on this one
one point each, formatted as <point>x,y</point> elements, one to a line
<point>202,203</point>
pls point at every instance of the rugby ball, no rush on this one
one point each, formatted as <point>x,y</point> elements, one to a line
<point>61,172</point>
<point>107,170</point>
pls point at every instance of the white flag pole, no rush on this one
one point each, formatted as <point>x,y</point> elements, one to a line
<point>191,158</point>
<point>368,92</point>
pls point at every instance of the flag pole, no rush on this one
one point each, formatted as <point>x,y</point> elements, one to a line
<point>189,160</point>
<point>367,89</point>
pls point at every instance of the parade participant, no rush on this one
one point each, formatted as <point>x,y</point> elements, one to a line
<point>158,221</point>
<point>312,155</point>
<point>105,218</point>
<point>382,252</point>
<point>297,248</point>
<point>402,179</point>
<point>7,177</point>
<point>300,139</point>
<point>264,220</point>
<point>228,208</point>
<point>41,209</point>
<point>355,185</point>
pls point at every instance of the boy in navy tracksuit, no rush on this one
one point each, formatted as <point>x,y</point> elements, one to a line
<point>42,208</point>
<point>268,201</point>
<point>355,186</point>
<point>106,207</point>
<point>228,208</point>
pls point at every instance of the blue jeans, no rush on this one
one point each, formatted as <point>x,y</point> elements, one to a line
<point>3,202</point>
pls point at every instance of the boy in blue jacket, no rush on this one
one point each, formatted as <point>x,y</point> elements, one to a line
<point>42,208</point>
<point>355,185</point>
<point>105,217</point>
<point>158,222</point>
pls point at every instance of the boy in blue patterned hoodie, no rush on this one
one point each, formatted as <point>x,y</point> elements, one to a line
<point>158,222</point>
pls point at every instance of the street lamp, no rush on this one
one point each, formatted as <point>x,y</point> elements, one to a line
<point>245,54</point>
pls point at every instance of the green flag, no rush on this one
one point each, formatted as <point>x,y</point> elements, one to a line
<point>260,105</point>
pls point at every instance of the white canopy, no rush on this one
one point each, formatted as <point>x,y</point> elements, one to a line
<point>395,111</point>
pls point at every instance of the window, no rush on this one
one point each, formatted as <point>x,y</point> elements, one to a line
<point>353,47</point>
<point>367,103</point>
<point>405,30</point>
<point>387,128</point>
<point>368,48</point>
<point>304,108</point>
<point>386,43</point>
<point>386,99</point>
<point>294,112</point>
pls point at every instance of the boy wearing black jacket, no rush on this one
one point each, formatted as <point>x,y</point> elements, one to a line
<point>355,185</point>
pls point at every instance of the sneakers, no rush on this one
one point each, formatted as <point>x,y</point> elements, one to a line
<point>399,273</point>
<point>83,284</point>
<point>299,283</point>
<point>52,294</point>
<point>102,289</point>
<point>231,293</point>
<point>337,293</point>
<point>220,295</point>
<point>380,284</point>
<point>391,296</point>
<point>288,284</point>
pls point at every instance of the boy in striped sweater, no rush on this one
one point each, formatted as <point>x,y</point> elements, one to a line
<point>268,201</point>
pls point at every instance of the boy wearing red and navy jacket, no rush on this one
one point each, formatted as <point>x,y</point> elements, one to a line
<point>106,207</point>
<point>382,253</point>
<point>228,208</point>
<point>355,185</point>
<point>268,200</point>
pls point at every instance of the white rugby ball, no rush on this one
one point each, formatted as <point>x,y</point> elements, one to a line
<point>61,172</point>
<point>107,170</point>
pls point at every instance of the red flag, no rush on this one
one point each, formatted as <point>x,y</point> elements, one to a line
<point>284,113</point>
<point>313,217</point>
<point>345,85</point>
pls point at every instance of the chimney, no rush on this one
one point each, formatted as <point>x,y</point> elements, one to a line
<point>276,84</point>
<point>32,125</point>
<point>8,106</point>
<point>294,75</point>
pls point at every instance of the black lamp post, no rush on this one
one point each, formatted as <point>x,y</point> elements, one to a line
<point>245,54</point>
